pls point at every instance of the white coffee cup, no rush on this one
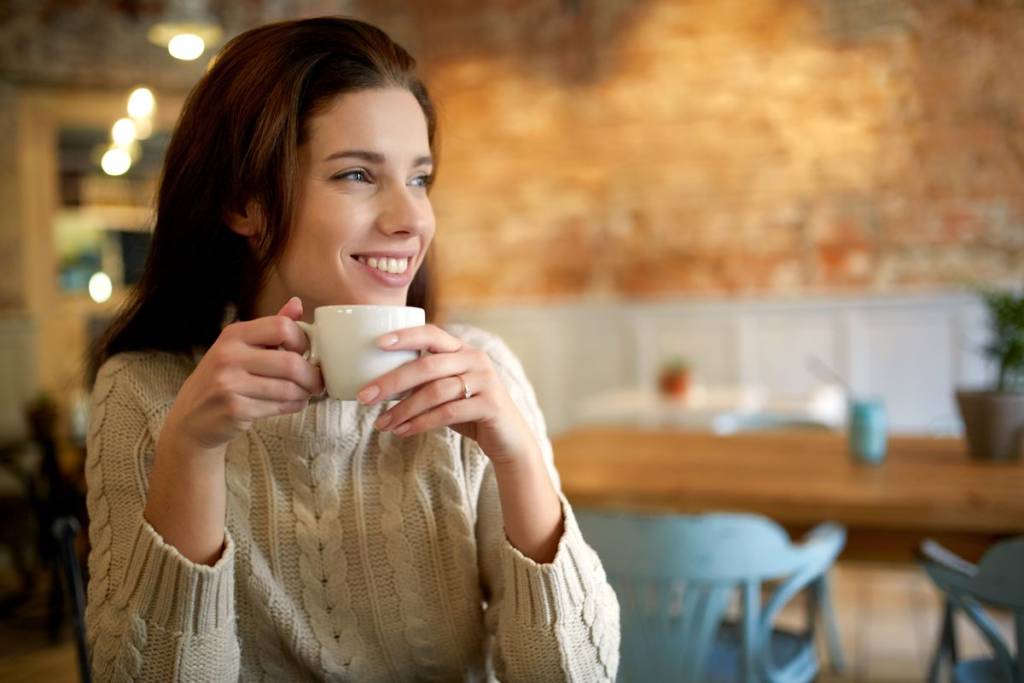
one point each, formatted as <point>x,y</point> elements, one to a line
<point>343,342</point>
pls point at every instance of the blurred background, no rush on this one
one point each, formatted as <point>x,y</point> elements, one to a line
<point>717,219</point>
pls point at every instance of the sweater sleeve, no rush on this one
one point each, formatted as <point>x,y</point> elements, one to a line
<point>152,614</point>
<point>548,622</point>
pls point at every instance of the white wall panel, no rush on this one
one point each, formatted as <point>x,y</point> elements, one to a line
<point>910,363</point>
<point>911,350</point>
<point>784,343</point>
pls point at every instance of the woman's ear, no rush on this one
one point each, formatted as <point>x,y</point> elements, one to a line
<point>248,223</point>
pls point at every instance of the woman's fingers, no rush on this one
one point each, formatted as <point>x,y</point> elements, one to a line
<point>286,365</point>
<point>432,395</point>
<point>272,331</point>
<point>446,414</point>
<point>292,308</point>
<point>421,338</point>
<point>271,389</point>
<point>414,373</point>
<point>244,408</point>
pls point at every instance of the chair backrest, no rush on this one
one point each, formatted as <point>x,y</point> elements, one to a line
<point>997,580</point>
<point>675,576</point>
<point>1000,579</point>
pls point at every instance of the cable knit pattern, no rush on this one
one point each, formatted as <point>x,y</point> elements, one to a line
<point>106,629</point>
<point>454,500</point>
<point>322,563</point>
<point>350,554</point>
<point>412,609</point>
<point>542,592</point>
<point>270,662</point>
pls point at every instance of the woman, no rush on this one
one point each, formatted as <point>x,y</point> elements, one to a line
<point>245,526</point>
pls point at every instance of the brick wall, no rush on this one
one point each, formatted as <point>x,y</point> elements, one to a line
<point>649,148</point>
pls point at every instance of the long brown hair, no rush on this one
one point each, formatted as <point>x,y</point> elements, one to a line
<point>235,143</point>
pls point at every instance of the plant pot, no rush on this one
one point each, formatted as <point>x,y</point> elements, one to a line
<point>994,423</point>
<point>674,384</point>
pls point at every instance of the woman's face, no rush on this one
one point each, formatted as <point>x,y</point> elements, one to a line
<point>363,221</point>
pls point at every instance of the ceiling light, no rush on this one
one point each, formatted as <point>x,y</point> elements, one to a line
<point>141,103</point>
<point>123,132</point>
<point>100,287</point>
<point>186,29</point>
<point>116,161</point>
<point>186,46</point>
<point>143,128</point>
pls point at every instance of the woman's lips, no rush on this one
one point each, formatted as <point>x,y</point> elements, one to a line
<point>388,279</point>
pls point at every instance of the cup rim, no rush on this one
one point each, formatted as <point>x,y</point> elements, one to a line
<point>366,306</point>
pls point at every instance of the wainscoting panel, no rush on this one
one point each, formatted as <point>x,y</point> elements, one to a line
<point>910,361</point>
<point>910,350</point>
<point>784,344</point>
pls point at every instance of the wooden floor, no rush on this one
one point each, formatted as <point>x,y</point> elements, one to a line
<point>888,621</point>
<point>27,655</point>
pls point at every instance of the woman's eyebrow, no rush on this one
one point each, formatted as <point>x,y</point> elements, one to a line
<point>374,157</point>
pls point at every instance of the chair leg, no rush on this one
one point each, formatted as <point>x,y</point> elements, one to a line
<point>65,530</point>
<point>751,598</point>
<point>55,605</point>
<point>946,645</point>
<point>835,648</point>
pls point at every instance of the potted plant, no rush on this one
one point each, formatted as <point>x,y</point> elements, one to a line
<point>994,418</point>
<point>674,378</point>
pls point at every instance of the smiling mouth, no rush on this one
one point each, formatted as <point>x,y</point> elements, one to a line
<point>387,265</point>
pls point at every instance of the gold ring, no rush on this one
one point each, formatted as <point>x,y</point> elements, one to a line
<point>466,393</point>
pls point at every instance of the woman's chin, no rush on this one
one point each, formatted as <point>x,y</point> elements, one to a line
<point>371,300</point>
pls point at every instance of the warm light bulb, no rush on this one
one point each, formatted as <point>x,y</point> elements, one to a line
<point>141,103</point>
<point>186,46</point>
<point>143,128</point>
<point>123,133</point>
<point>116,161</point>
<point>134,150</point>
<point>100,287</point>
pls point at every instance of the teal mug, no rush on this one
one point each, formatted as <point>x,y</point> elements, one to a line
<point>868,430</point>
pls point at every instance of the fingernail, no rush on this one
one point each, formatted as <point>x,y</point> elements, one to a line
<point>383,421</point>
<point>389,340</point>
<point>368,394</point>
<point>401,429</point>
<point>295,298</point>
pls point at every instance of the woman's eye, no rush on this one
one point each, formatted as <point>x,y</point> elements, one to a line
<point>358,176</point>
<point>422,180</point>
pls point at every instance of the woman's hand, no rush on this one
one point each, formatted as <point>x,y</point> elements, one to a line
<point>254,369</point>
<point>489,416</point>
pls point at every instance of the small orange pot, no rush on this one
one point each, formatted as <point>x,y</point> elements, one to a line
<point>674,383</point>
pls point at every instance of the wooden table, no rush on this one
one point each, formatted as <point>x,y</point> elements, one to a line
<point>927,487</point>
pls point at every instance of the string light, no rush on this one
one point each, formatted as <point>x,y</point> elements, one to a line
<point>100,287</point>
<point>116,161</point>
<point>123,133</point>
<point>141,103</point>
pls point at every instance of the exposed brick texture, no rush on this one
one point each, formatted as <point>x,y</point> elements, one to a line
<point>661,147</point>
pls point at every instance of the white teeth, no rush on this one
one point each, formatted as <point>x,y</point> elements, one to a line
<point>386,265</point>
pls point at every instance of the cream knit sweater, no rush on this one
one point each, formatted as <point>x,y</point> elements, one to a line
<point>350,554</point>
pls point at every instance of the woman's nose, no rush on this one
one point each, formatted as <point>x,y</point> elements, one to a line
<point>404,212</point>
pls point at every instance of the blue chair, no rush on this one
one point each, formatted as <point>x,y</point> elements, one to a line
<point>999,581</point>
<point>675,576</point>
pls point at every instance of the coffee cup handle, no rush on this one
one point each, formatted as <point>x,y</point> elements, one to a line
<point>313,355</point>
